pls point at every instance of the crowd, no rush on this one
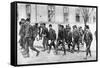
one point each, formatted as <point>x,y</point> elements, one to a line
<point>67,36</point>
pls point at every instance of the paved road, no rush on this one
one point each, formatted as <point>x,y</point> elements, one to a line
<point>44,57</point>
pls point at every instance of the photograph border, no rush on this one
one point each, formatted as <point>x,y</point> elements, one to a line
<point>14,32</point>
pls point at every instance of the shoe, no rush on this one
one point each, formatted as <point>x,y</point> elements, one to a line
<point>37,53</point>
<point>48,52</point>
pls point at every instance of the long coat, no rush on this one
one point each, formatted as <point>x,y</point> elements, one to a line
<point>45,31</point>
<point>61,34</point>
<point>88,37</point>
<point>76,35</point>
<point>51,34</point>
<point>68,35</point>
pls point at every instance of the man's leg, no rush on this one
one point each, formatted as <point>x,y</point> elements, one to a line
<point>22,42</point>
<point>44,44</point>
<point>26,52</point>
<point>69,46</point>
<point>64,47</point>
<point>73,47</point>
<point>56,47</point>
<point>53,43</point>
<point>33,48</point>
<point>49,45</point>
<point>78,46</point>
<point>89,49</point>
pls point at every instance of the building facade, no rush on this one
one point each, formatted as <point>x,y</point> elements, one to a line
<point>52,14</point>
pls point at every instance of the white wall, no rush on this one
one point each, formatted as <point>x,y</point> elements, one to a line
<point>21,11</point>
<point>33,14</point>
<point>42,13</point>
<point>59,14</point>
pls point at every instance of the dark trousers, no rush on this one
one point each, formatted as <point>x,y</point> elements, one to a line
<point>76,42</point>
<point>22,42</point>
<point>68,41</point>
<point>60,42</point>
<point>52,43</point>
<point>29,43</point>
<point>88,51</point>
<point>45,43</point>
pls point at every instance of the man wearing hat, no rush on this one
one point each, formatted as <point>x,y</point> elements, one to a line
<point>22,32</point>
<point>30,37</point>
<point>51,38</point>
<point>75,36</point>
<point>88,40</point>
<point>81,32</point>
<point>45,36</point>
<point>68,36</point>
<point>60,39</point>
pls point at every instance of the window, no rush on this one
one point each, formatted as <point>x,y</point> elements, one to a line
<point>94,19</point>
<point>66,14</point>
<point>77,18</point>
<point>28,11</point>
<point>77,14</point>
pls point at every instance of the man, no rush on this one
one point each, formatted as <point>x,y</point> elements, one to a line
<point>60,40</point>
<point>51,38</point>
<point>75,38</point>
<point>22,33</point>
<point>68,36</point>
<point>45,37</point>
<point>40,31</point>
<point>81,33</point>
<point>88,40</point>
<point>30,37</point>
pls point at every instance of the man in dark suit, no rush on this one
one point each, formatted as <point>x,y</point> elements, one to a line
<point>22,33</point>
<point>75,38</point>
<point>88,40</point>
<point>51,38</point>
<point>45,37</point>
<point>81,33</point>
<point>68,36</point>
<point>60,40</point>
<point>31,33</point>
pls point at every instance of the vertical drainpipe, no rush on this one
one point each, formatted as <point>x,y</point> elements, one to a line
<point>36,12</point>
<point>30,14</point>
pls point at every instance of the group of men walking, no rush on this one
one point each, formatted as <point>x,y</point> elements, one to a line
<point>65,37</point>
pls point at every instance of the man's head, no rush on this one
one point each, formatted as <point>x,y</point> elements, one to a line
<point>44,24</point>
<point>36,24</point>
<point>66,26</point>
<point>80,28</point>
<point>86,26</point>
<point>22,21</point>
<point>50,26</point>
<point>74,27</point>
<point>62,26</point>
<point>27,21</point>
